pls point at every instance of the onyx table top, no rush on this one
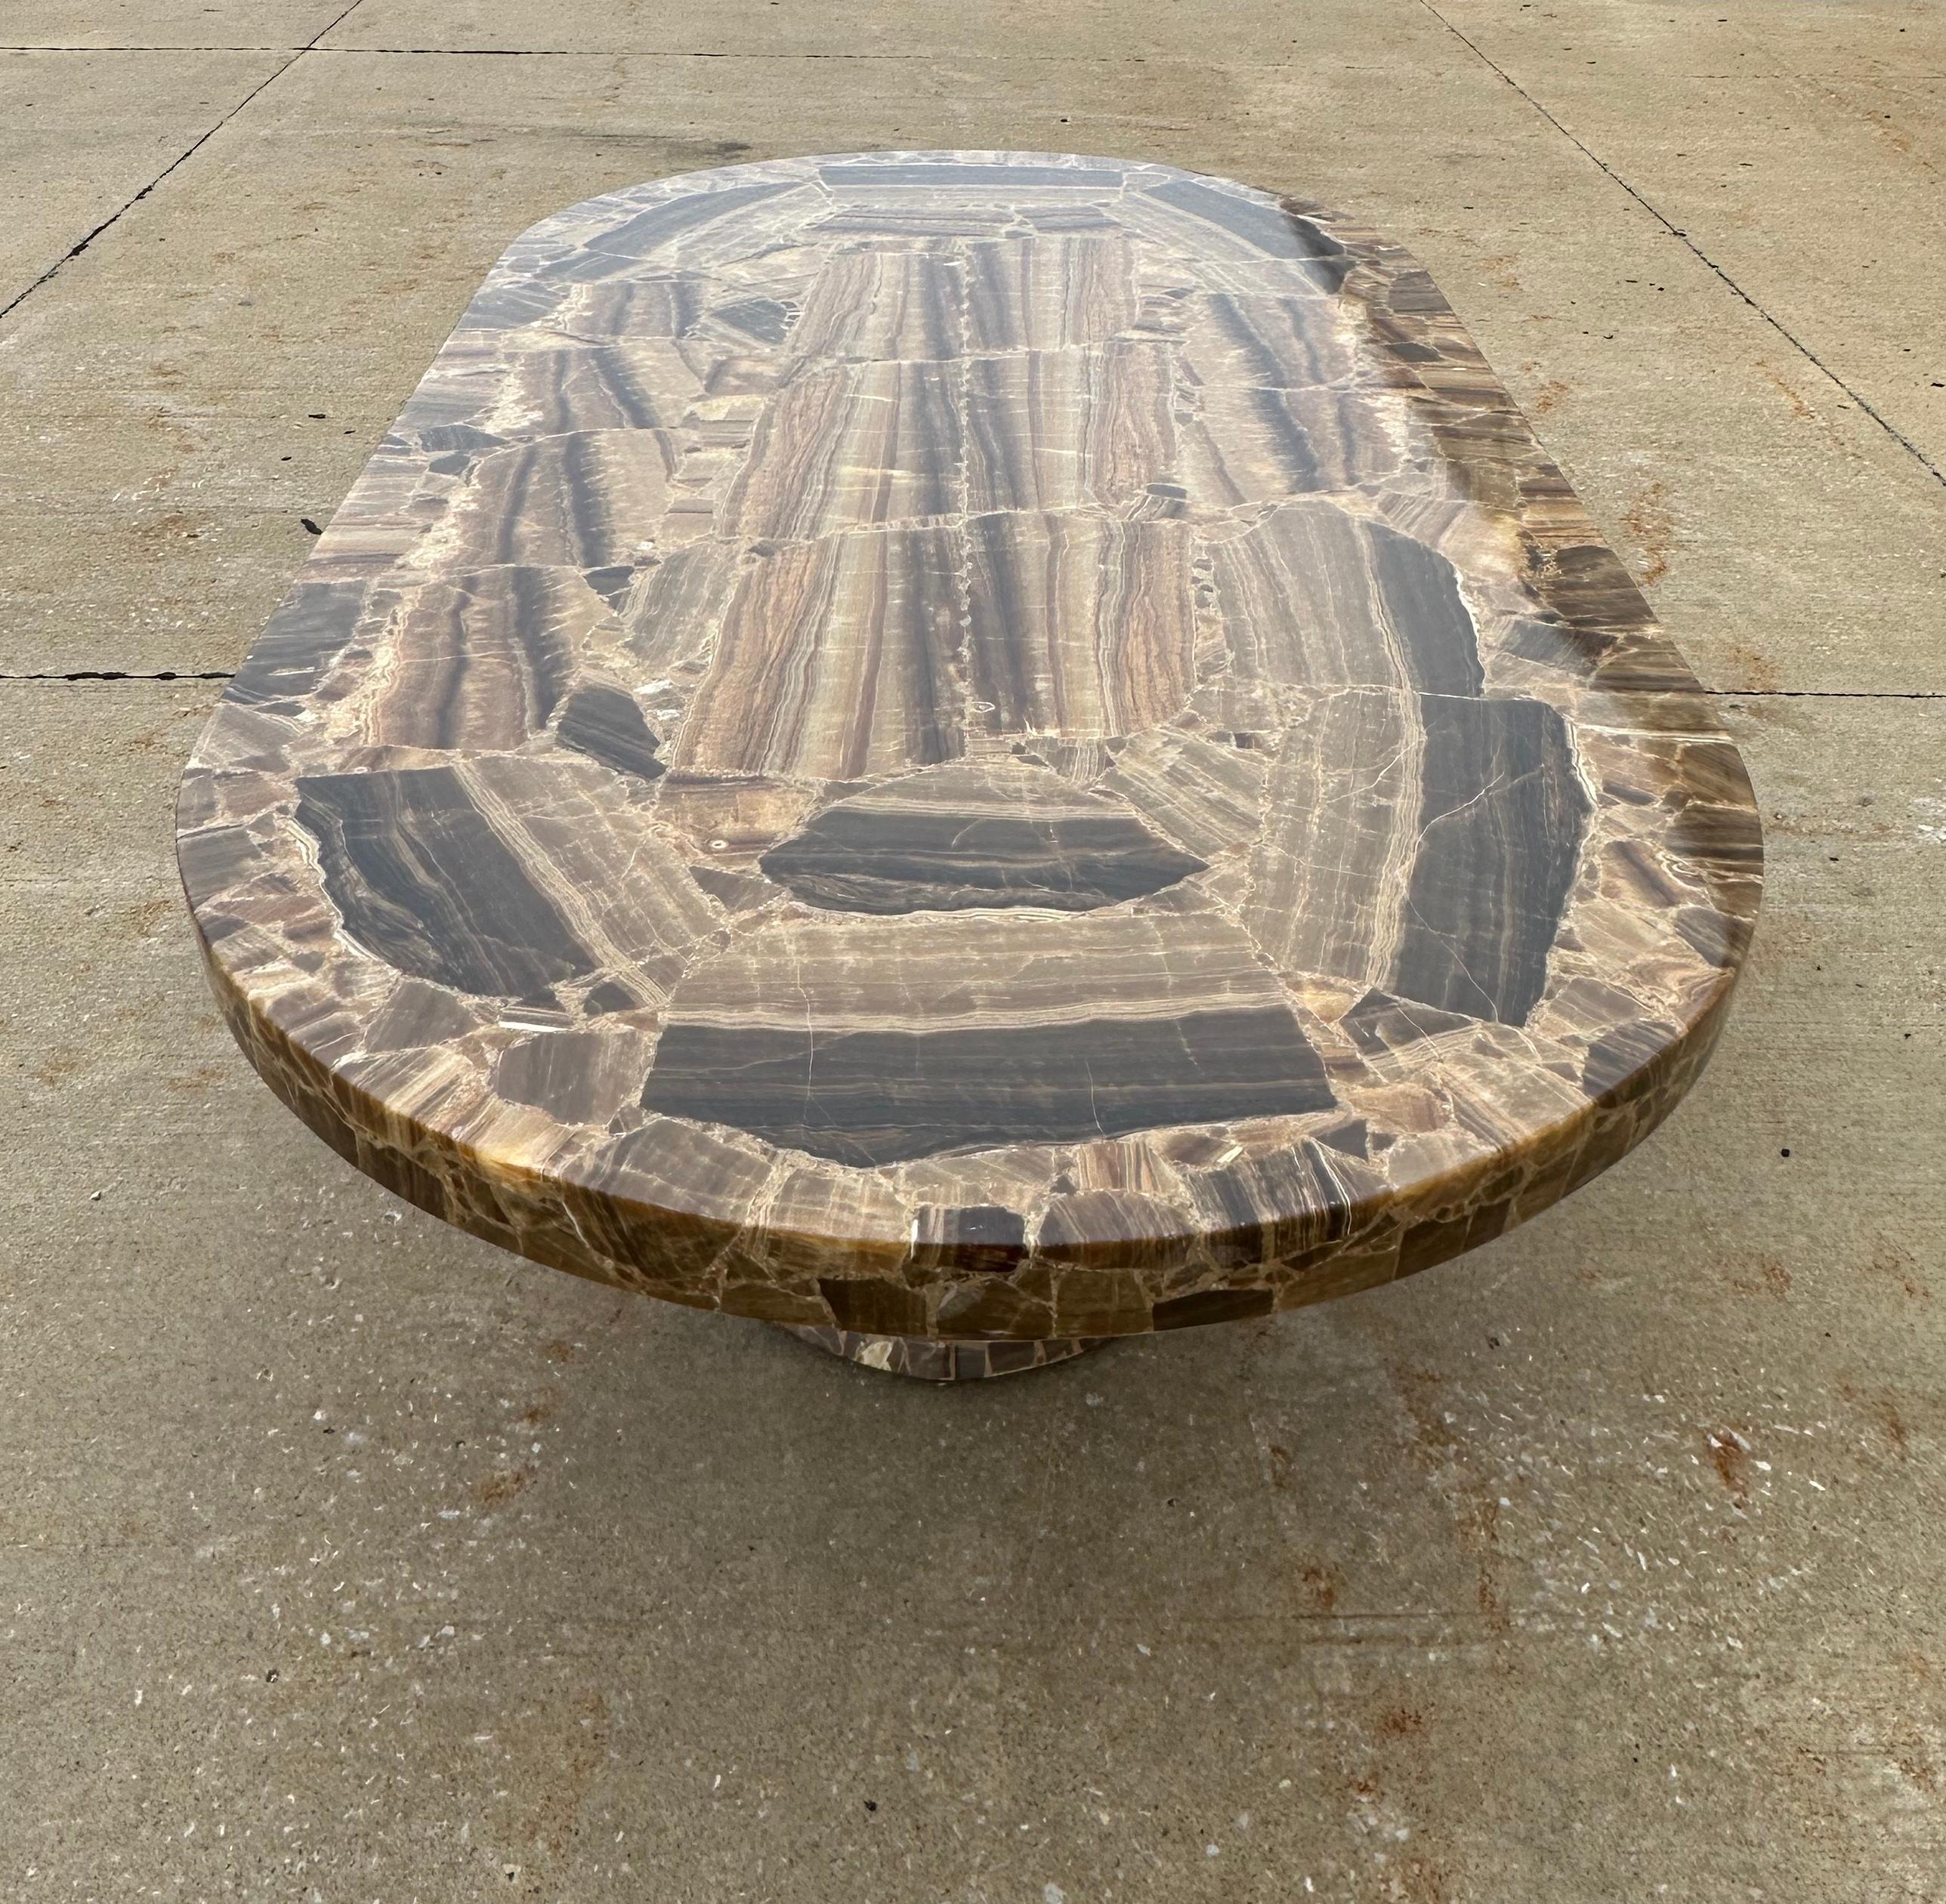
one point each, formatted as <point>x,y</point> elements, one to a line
<point>992,747</point>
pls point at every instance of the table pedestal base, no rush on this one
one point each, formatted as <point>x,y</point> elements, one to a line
<point>919,1356</point>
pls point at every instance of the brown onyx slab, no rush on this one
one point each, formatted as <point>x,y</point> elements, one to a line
<point>968,752</point>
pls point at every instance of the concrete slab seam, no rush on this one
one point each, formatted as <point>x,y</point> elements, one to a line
<point>188,152</point>
<point>1676,231</point>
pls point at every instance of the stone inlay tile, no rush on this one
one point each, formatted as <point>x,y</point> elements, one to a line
<point>985,747</point>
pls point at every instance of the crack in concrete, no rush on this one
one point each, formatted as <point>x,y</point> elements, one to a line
<point>188,152</point>
<point>1594,158</point>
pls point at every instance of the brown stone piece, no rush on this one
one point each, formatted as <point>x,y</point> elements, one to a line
<point>968,752</point>
<point>928,1360</point>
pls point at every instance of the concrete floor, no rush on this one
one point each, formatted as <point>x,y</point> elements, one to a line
<point>342,1558</point>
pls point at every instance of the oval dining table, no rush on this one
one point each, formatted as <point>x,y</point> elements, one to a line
<point>969,753</point>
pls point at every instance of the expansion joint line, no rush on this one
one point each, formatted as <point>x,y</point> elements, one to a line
<point>1676,231</point>
<point>188,152</point>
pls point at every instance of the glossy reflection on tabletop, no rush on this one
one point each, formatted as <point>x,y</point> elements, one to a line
<point>971,745</point>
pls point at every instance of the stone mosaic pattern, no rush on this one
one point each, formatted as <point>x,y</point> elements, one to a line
<point>969,745</point>
<point>926,1360</point>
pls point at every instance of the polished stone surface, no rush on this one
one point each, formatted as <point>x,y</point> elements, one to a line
<point>971,746</point>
